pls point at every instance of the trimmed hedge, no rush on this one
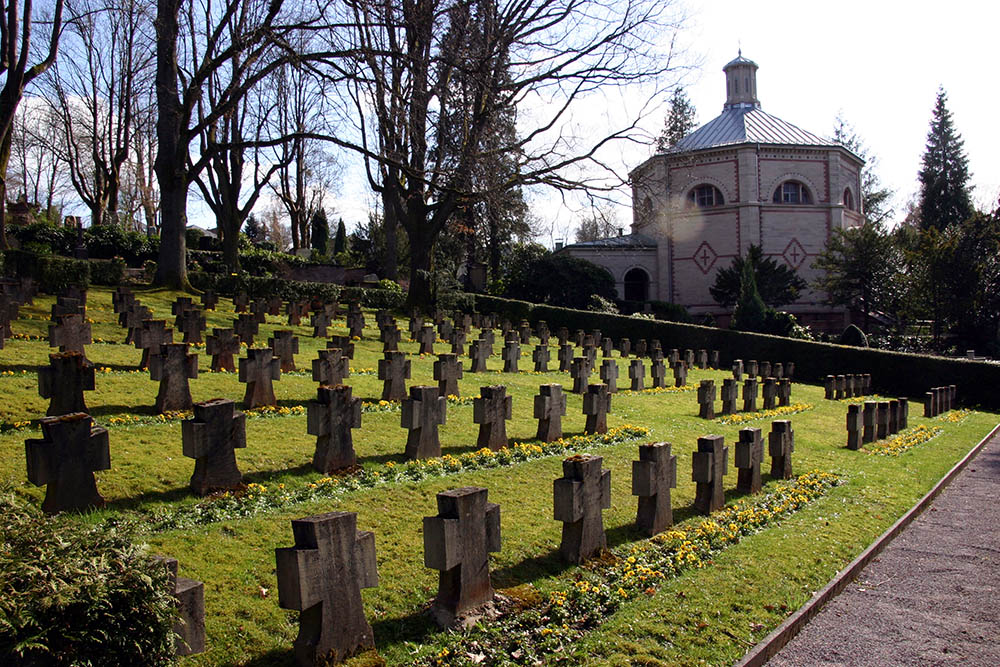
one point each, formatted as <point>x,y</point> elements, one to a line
<point>230,285</point>
<point>50,272</point>
<point>893,373</point>
<point>72,594</point>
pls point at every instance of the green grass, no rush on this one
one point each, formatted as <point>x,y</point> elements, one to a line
<point>712,615</point>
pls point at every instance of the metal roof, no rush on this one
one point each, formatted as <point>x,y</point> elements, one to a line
<point>739,60</point>
<point>741,124</point>
<point>617,242</point>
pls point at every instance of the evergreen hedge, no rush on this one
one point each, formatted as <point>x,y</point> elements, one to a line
<point>295,290</point>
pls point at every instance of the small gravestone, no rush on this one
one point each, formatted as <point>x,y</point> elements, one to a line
<point>172,368</point>
<point>132,320</point>
<point>246,327</point>
<point>562,335</point>
<point>489,337</point>
<point>543,333</point>
<point>770,393</point>
<point>511,354</point>
<point>607,347</point>
<point>491,410</point>
<point>578,337</point>
<point>67,306</point>
<point>457,339</point>
<point>223,344</point>
<point>121,299</point>
<point>579,496</point>
<point>258,370</point>
<point>274,305</point>
<point>750,394</point>
<point>893,416</point>
<point>749,454</point>
<point>540,355</point>
<point>319,322</point>
<point>580,372</point>
<point>241,302</point>
<point>382,318</point>
<point>929,404</point>
<point>65,458</point>
<point>904,413</point>
<point>345,344</point>
<point>609,374</point>
<point>70,334</point>
<point>150,337</point>
<point>765,370</point>
<point>854,426</point>
<point>673,357</point>
<point>625,347</point>
<point>189,595</point>
<point>840,387</point>
<point>713,359</point>
<point>322,577</point>
<point>830,387</point>
<point>738,370</point>
<point>524,332</point>
<point>590,352</point>
<point>780,445</point>
<point>701,359</point>
<point>296,310</point>
<point>550,408</point>
<point>258,311</point>
<point>868,422</point>
<point>708,467</point>
<point>598,338</point>
<point>330,418</point>
<point>680,374</point>
<point>63,382</point>
<point>191,323</point>
<point>596,405</point>
<point>457,542</point>
<point>181,304</point>
<point>849,386</point>
<point>750,368</point>
<point>209,300</point>
<point>394,371</point>
<point>653,475</point>
<point>641,347</point>
<point>331,367</point>
<point>416,324</point>
<point>882,420</point>
<point>355,324</point>
<point>730,393</point>
<point>285,345</point>
<point>511,337</point>
<point>784,392</point>
<point>565,356</point>
<point>790,370</point>
<point>637,374</point>
<point>426,337</point>
<point>447,372</point>
<point>422,413</point>
<point>332,309</point>
<point>479,351</point>
<point>445,329</point>
<point>777,370</point>
<point>706,399</point>
<point>658,373</point>
<point>211,438</point>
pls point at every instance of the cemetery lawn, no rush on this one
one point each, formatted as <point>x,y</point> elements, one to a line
<point>710,614</point>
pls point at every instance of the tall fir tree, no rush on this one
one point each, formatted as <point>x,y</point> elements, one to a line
<point>320,232</point>
<point>255,230</point>
<point>679,121</point>
<point>944,177</point>
<point>340,239</point>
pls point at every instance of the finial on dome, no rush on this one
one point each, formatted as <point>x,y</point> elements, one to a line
<point>741,82</point>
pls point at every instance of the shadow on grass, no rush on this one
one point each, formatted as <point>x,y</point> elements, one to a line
<point>273,658</point>
<point>17,368</point>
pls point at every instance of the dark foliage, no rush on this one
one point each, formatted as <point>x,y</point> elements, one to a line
<point>562,280</point>
<point>776,284</point>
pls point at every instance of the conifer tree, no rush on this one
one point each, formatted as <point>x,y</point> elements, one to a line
<point>320,237</point>
<point>876,199</point>
<point>255,231</point>
<point>340,239</point>
<point>679,121</point>
<point>944,177</point>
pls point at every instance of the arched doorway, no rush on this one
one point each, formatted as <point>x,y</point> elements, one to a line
<point>636,285</point>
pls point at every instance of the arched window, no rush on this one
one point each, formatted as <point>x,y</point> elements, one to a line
<point>792,192</point>
<point>704,196</point>
<point>636,285</point>
<point>849,200</point>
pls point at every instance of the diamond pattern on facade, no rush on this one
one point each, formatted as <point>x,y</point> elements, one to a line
<point>705,257</point>
<point>794,254</point>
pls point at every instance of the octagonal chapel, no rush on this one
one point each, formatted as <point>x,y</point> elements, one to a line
<point>745,177</point>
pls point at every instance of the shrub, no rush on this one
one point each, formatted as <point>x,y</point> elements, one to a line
<point>58,240</point>
<point>599,304</point>
<point>255,286</point>
<point>107,271</point>
<point>562,280</point>
<point>109,241</point>
<point>854,336</point>
<point>72,594</point>
<point>52,273</point>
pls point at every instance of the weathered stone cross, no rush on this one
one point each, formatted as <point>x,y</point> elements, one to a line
<point>390,335</point>
<point>854,426</point>
<point>65,458</point>
<point>345,344</point>
<point>132,320</point>
<point>658,373</point>
<point>426,337</point>
<point>706,399</point>
<point>210,438</point>
<point>491,411</point>
<point>579,496</point>
<point>171,368</point>
<point>540,355</point>
<point>209,300</point>
<point>394,370</point>
<point>331,367</point>
<point>730,392</point>
<point>296,310</point>
<point>71,334</point>
<point>596,405</point>
<point>285,345</point>
<point>609,374</point>
<point>653,475</point>
<point>191,323</point>
<point>319,322</point>
<point>330,418</point>
<point>422,413</point>
<point>64,381</point>
<point>708,466</point>
<point>749,454</point>
<point>246,327</point>
<point>750,394</point>
<point>565,356</point>
<point>222,345</point>
<point>479,351</point>
<point>550,407</point>
<point>868,422</point>
<point>511,355</point>
<point>781,444</point>
<point>258,369</point>
<point>150,337</point>
<point>447,372</point>
<point>770,393</point>
<point>580,372</point>
<point>189,629</point>
<point>680,374</point>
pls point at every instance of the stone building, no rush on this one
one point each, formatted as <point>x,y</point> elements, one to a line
<point>745,177</point>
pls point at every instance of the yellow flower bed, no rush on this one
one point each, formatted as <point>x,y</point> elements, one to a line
<point>901,442</point>
<point>745,417</point>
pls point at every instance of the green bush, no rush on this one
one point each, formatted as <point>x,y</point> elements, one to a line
<point>107,271</point>
<point>562,280</point>
<point>50,272</point>
<point>109,241</point>
<point>255,286</point>
<point>59,240</point>
<point>852,335</point>
<point>72,594</point>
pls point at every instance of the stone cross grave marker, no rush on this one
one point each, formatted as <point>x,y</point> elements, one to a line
<point>598,338</point>
<point>780,445</point>
<point>422,413</point>
<point>258,310</point>
<point>730,393</point>
<point>784,392</point>
<point>285,345</point>
<point>830,387</point>
<point>868,422</point>
<point>345,344</point>
<point>67,306</point>
<point>701,359</point>
<point>930,404</point>
<point>607,347</point>
<point>641,347</point>
<point>653,475</point>
<point>689,359</point>
<point>849,386</point>
<point>445,329</point>
<point>738,370</point>
<point>479,351</point>
<point>70,334</point>
<point>181,304</point>
<point>750,368</point>
<point>319,322</point>
<point>790,370</point>
<point>680,374</point>
<point>750,394</point>
<point>63,382</point>
<point>416,324</point>
<point>331,366</point>
<point>355,325</point>
<point>211,438</point>
<point>579,496</point>
<point>172,368</point>
<point>540,355</point>
<point>706,399</point>
<point>426,337</point>
<point>246,327</point>
<point>447,372</point>
<point>296,310</point>
<point>511,336</point>
<point>579,370</point>
<point>674,357</point>
<point>749,455</point>
<point>258,370</point>
<point>609,374</point>
<point>625,347</point>
<point>331,308</point>
<point>550,408</point>
<point>209,300</point>
<point>854,426</point>
<point>150,338</point>
<point>330,418</point>
<point>713,359</point>
<point>658,373</point>
<point>457,339</point>
<point>274,305</point>
<point>596,405</point>
<point>904,413</point>
<point>394,370</point>
<point>893,416</point>
<point>383,317</point>
<point>322,577</point>
<point>765,370</point>
<point>132,320</point>
<point>578,337</point>
<point>457,542</point>
<point>840,387</point>
<point>189,594</point>
<point>121,299</point>
<point>191,323</point>
<point>223,344</point>
<point>241,302</point>
<point>489,337</point>
<point>562,335</point>
<point>637,373</point>
<point>590,352</point>
<point>8,313</point>
<point>777,370</point>
<point>882,420</point>
<point>543,333</point>
<point>390,335</point>
<point>565,356</point>
<point>511,354</point>
<point>491,410</point>
<point>65,459</point>
<point>770,393</point>
<point>524,332</point>
<point>708,467</point>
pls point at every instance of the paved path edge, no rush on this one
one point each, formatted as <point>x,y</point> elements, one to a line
<point>774,642</point>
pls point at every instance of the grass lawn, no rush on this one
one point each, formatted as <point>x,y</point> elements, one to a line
<point>710,614</point>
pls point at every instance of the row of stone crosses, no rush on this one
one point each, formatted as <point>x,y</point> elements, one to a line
<point>876,420</point>
<point>322,575</point>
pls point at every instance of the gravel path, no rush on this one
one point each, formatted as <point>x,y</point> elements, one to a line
<point>932,597</point>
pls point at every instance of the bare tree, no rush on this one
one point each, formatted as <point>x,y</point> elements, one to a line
<point>15,51</point>
<point>34,170</point>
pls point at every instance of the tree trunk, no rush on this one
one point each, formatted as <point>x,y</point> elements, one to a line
<point>419,296</point>
<point>5,146</point>
<point>171,268</point>
<point>390,261</point>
